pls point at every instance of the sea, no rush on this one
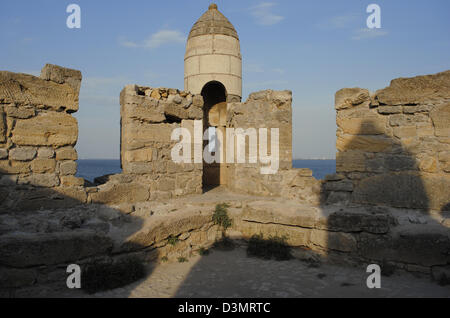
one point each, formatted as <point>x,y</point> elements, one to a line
<point>89,169</point>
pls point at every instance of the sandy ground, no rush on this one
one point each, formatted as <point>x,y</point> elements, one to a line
<point>233,274</point>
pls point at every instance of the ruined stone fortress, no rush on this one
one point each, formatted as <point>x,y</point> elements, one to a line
<point>387,203</point>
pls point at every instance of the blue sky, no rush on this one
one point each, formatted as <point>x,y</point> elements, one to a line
<point>313,48</point>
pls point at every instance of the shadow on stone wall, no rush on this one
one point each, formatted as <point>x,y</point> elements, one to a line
<point>411,238</point>
<point>43,230</point>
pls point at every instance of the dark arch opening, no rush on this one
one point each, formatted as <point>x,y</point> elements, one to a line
<point>213,93</point>
<point>214,115</point>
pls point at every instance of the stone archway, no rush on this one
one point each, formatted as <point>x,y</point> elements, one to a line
<point>214,115</point>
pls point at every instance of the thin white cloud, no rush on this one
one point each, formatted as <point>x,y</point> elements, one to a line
<point>263,14</point>
<point>338,22</point>
<point>156,40</point>
<point>367,33</point>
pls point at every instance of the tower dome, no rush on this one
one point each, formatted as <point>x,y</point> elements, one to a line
<point>213,55</point>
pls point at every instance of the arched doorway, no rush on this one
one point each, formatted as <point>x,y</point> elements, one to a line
<point>214,115</point>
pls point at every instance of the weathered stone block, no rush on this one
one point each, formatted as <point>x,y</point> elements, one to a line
<point>345,186</point>
<point>71,181</point>
<point>46,180</point>
<point>405,131</point>
<point>441,120</point>
<point>121,193</point>
<point>22,153</point>
<point>66,153</point>
<point>415,90</point>
<point>46,129</point>
<point>362,126</point>
<point>407,190</point>
<point>421,244</point>
<point>20,112</point>
<point>62,75</point>
<point>2,126</point>
<point>349,97</point>
<point>343,242</point>
<point>67,168</point>
<point>390,110</point>
<point>26,250</point>
<point>26,89</point>
<point>45,153</point>
<point>3,153</point>
<point>43,165</point>
<point>139,155</point>
<point>364,143</point>
<point>349,161</point>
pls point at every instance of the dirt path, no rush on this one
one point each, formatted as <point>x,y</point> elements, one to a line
<point>233,274</point>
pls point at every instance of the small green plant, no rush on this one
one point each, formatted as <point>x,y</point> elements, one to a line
<point>274,247</point>
<point>220,216</point>
<point>164,259</point>
<point>203,251</point>
<point>182,260</point>
<point>173,240</point>
<point>102,276</point>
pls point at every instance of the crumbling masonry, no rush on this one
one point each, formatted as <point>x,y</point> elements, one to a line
<point>388,201</point>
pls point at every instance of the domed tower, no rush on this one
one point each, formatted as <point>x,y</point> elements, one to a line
<point>213,68</point>
<point>213,56</point>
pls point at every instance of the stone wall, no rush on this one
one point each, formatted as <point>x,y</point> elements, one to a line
<point>394,145</point>
<point>148,118</point>
<point>37,138</point>
<point>270,109</point>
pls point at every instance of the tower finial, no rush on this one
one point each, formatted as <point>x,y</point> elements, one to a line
<point>212,6</point>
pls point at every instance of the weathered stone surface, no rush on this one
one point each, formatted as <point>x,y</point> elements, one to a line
<point>405,132</point>
<point>71,181</point>
<point>345,186</point>
<point>62,75</point>
<point>362,126</point>
<point>25,250</point>
<point>45,153</point>
<point>273,213</point>
<point>390,109</point>
<point>26,89</point>
<point>159,228</point>
<point>142,108</point>
<point>2,126</point>
<point>343,242</point>
<point>15,278</point>
<point>348,161</point>
<point>43,165</point>
<point>22,153</point>
<point>349,97</point>
<point>359,221</point>
<point>22,112</point>
<point>415,90</point>
<point>47,180</point>
<point>67,168</point>
<point>441,120</point>
<point>14,167</point>
<point>121,193</point>
<point>413,244</point>
<point>46,129</point>
<point>139,155</point>
<point>404,190</point>
<point>66,153</point>
<point>3,153</point>
<point>364,143</point>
